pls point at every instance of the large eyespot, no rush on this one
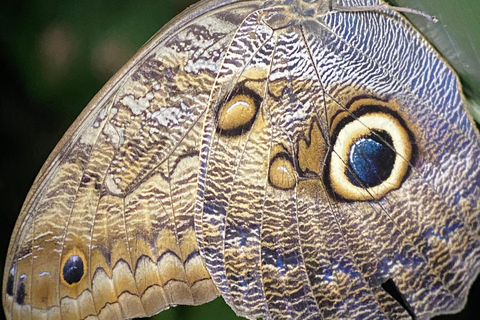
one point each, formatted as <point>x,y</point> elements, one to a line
<point>73,267</point>
<point>370,156</point>
<point>237,114</point>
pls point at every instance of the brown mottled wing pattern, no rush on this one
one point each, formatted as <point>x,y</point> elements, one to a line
<point>289,223</point>
<point>303,162</point>
<point>107,229</point>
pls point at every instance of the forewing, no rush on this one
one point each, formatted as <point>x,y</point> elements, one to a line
<point>107,228</point>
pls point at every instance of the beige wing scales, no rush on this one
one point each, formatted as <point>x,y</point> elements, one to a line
<point>281,153</point>
<point>107,228</point>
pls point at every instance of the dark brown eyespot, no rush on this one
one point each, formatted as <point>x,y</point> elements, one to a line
<point>10,281</point>
<point>20,295</point>
<point>73,268</point>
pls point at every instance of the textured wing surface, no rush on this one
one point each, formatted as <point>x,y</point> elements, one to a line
<point>107,229</point>
<point>305,231</point>
<point>338,176</point>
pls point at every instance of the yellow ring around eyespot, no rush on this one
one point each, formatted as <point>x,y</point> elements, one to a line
<point>356,129</point>
<point>77,252</point>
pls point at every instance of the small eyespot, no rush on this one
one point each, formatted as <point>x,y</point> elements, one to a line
<point>73,269</point>
<point>20,295</point>
<point>237,114</point>
<point>10,280</point>
<point>281,173</point>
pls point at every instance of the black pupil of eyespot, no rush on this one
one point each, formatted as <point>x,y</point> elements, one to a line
<point>371,160</point>
<point>73,269</point>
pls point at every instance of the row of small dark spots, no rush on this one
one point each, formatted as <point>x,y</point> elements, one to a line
<point>20,293</point>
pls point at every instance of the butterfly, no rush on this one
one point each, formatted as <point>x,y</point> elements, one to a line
<point>300,160</point>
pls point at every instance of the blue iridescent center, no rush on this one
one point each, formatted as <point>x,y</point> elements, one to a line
<point>371,160</point>
<point>73,269</point>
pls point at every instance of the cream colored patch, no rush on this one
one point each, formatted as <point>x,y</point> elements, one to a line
<point>282,173</point>
<point>237,112</point>
<point>136,106</point>
<point>311,153</point>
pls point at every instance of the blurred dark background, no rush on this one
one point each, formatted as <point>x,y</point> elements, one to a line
<point>55,55</point>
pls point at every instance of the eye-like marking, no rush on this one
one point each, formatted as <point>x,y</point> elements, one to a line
<point>73,267</point>
<point>371,153</point>
<point>281,173</point>
<point>73,270</point>
<point>10,281</point>
<point>371,159</point>
<point>237,114</point>
<point>20,296</point>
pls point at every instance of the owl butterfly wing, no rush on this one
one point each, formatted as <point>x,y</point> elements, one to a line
<point>341,171</point>
<point>107,229</point>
